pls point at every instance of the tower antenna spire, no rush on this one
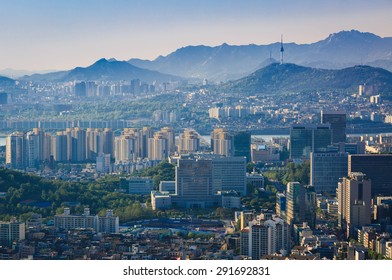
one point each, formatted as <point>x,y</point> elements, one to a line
<point>281,49</point>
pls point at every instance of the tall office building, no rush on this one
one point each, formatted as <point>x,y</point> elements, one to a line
<point>305,139</point>
<point>229,173</point>
<point>337,120</point>
<point>15,151</point>
<point>326,169</point>
<point>194,184</point>
<point>281,205</point>
<point>222,142</point>
<point>300,204</point>
<point>188,142</point>
<point>354,202</point>
<point>377,167</point>
<point>158,147</point>
<point>241,143</point>
<point>310,206</point>
<point>295,203</point>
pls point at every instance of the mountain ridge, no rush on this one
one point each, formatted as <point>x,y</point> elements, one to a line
<point>225,62</point>
<point>105,70</point>
<point>292,78</point>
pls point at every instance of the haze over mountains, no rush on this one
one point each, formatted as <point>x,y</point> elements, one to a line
<point>225,62</point>
<point>104,70</point>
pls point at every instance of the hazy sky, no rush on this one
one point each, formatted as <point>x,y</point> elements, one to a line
<point>62,34</point>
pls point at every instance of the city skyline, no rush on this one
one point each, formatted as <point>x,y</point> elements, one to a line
<point>61,35</point>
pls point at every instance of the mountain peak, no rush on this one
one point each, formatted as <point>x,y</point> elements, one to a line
<point>351,35</point>
<point>101,61</point>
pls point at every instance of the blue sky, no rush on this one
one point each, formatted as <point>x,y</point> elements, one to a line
<point>62,34</point>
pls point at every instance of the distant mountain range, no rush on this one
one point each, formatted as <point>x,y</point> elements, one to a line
<point>105,70</point>
<point>291,78</point>
<point>15,73</point>
<point>225,62</point>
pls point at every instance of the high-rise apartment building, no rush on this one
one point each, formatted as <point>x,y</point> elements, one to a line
<point>60,147</point>
<point>222,142</point>
<point>188,142</point>
<point>143,135</point>
<point>168,134</point>
<point>158,147</point>
<point>265,237</point>
<point>125,148</point>
<point>15,150</point>
<point>337,120</point>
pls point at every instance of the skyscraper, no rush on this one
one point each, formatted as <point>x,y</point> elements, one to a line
<point>337,120</point>
<point>142,145</point>
<point>194,184</point>
<point>158,147</point>
<point>377,167</point>
<point>242,142</point>
<point>222,142</point>
<point>59,146</point>
<point>168,134</point>
<point>300,204</point>
<point>326,169</point>
<point>229,173</point>
<point>15,151</point>
<point>32,145</point>
<point>295,203</point>
<point>125,148</point>
<point>305,139</point>
<point>354,202</point>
